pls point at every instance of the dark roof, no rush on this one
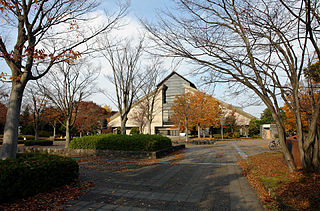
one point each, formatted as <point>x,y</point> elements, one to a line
<point>171,74</point>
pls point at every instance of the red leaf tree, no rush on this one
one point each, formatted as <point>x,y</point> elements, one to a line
<point>90,117</point>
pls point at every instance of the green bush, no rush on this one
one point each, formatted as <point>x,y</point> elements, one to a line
<point>39,142</point>
<point>30,174</point>
<point>137,142</point>
<point>134,130</point>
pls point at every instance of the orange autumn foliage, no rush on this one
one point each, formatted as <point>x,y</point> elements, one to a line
<point>181,109</point>
<point>198,108</point>
<point>305,109</point>
<point>205,110</point>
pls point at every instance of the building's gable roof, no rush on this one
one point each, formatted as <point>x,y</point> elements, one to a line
<point>191,87</point>
<point>226,105</point>
<point>136,102</point>
<point>236,109</point>
<point>175,73</point>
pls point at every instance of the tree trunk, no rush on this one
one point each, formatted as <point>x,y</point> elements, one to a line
<point>310,161</point>
<point>221,131</point>
<point>315,158</point>
<point>310,153</point>
<point>149,127</point>
<point>10,137</point>
<point>186,130</point>
<point>199,133</point>
<point>287,155</point>
<point>67,133</point>
<point>80,134</point>
<point>123,126</point>
<point>54,130</point>
<point>36,128</point>
<point>36,131</point>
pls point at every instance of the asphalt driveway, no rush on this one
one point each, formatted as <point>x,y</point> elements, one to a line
<point>204,177</point>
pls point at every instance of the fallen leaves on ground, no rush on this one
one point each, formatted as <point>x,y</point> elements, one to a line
<point>277,187</point>
<point>125,164</point>
<point>49,200</point>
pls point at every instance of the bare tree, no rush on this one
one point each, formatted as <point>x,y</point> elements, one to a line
<point>66,86</point>
<point>151,90</point>
<point>35,23</point>
<point>4,91</point>
<point>138,115</point>
<point>124,59</point>
<point>51,116</point>
<point>37,102</point>
<point>259,44</point>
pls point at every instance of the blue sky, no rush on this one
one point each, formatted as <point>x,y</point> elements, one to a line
<point>142,8</point>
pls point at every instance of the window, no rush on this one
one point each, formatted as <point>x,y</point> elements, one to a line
<point>164,94</point>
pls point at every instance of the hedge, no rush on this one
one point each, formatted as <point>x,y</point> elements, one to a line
<point>39,142</point>
<point>30,174</point>
<point>136,142</point>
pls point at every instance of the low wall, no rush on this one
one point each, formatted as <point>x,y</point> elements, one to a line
<point>113,153</point>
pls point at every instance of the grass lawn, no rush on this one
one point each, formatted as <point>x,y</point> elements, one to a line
<point>278,188</point>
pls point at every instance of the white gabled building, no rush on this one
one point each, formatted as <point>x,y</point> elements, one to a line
<point>174,84</point>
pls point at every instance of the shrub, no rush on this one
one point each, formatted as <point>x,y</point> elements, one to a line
<point>30,174</point>
<point>38,142</point>
<point>137,142</point>
<point>134,130</point>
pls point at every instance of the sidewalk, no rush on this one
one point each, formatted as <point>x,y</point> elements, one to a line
<point>203,177</point>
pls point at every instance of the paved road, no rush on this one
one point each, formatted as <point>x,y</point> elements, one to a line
<point>199,178</point>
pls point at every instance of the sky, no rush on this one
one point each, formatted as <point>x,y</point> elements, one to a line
<point>148,10</point>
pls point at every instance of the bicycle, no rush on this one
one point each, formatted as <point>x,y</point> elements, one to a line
<point>274,145</point>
